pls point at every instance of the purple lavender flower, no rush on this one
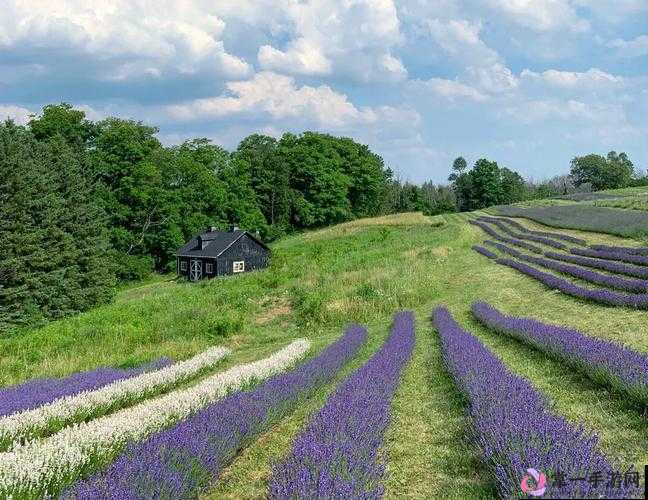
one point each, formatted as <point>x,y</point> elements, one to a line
<point>513,241</point>
<point>606,265</point>
<point>40,391</point>
<point>639,301</point>
<point>621,256</point>
<point>513,428</point>
<point>484,251</point>
<point>524,235</point>
<point>520,227</point>
<point>605,362</point>
<point>629,285</point>
<point>337,455</point>
<point>630,250</point>
<point>180,461</point>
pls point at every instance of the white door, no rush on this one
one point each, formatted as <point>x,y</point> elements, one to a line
<point>195,271</point>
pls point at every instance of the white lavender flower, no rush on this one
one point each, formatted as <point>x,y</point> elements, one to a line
<point>39,467</point>
<point>61,412</point>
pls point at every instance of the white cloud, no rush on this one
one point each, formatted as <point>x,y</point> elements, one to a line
<point>483,68</point>
<point>496,78</point>
<point>278,97</point>
<point>137,37</point>
<point>16,113</point>
<point>593,78</point>
<point>460,39</point>
<point>352,37</point>
<point>451,90</point>
<point>542,15</point>
<point>613,10</point>
<point>304,57</point>
<point>636,47</point>
<point>575,111</point>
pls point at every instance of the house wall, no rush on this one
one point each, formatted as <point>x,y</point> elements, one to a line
<point>247,250</point>
<point>204,261</point>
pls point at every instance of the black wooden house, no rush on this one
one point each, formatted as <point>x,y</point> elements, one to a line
<point>217,253</point>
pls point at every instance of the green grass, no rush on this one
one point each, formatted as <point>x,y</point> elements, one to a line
<point>362,271</point>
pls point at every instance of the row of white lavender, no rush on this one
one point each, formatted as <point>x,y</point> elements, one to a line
<point>37,467</point>
<point>51,417</point>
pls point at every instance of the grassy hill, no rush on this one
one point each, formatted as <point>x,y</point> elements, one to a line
<point>363,272</point>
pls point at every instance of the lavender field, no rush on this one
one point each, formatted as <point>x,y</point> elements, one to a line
<point>393,357</point>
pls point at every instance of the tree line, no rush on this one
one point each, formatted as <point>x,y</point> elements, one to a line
<point>87,204</point>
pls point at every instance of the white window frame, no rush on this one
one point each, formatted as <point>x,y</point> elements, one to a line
<point>183,265</point>
<point>209,268</point>
<point>238,266</point>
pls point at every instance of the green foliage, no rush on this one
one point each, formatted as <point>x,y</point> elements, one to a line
<point>487,184</point>
<point>53,240</point>
<point>458,166</point>
<point>62,119</point>
<point>615,171</point>
<point>311,180</point>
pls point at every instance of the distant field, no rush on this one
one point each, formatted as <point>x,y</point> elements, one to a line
<point>620,222</point>
<point>363,271</point>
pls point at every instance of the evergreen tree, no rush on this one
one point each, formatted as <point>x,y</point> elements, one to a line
<point>53,240</point>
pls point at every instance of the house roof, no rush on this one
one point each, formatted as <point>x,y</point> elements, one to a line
<point>216,243</point>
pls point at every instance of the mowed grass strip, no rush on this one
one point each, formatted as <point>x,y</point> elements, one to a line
<point>317,285</point>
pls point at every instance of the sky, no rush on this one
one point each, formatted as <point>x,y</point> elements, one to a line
<point>528,83</point>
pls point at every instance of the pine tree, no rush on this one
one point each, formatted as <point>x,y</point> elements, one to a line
<point>53,241</point>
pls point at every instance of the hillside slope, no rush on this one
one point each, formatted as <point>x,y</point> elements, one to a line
<point>361,271</point>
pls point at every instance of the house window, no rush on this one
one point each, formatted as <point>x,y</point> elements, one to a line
<point>183,265</point>
<point>209,268</point>
<point>239,266</point>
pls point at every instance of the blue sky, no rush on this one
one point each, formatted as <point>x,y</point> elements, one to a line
<point>529,83</point>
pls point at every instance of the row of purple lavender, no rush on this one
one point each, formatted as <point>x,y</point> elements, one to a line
<point>560,236</point>
<point>630,255</point>
<point>637,298</point>
<point>40,391</point>
<point>620,283</point>
<point>337,455</point>
<point>604,265</point>
<point>520,227</point>
<point>630,250</point>
<point>182,460</point>
<point>523,235</point>
<point>605,362</point>
<point>631,258</point>
<point>512,241</point>
<point>603,296</point>
<point>513,427</point>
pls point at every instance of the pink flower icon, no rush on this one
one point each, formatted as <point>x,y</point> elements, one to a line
<point>540,483</point>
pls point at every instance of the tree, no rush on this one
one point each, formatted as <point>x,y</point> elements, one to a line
<point>438,199</point>
<point>131,189</point>
<point>269,178</point>
<point>318,183</point>
<point>54,252</point>
<point>62,119</point>
<point>459,165</point>
<point>513,187</point>
<point>367,173</point>
<point>615,171</point>
<point>487,184</point>
<point>487,187</point>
